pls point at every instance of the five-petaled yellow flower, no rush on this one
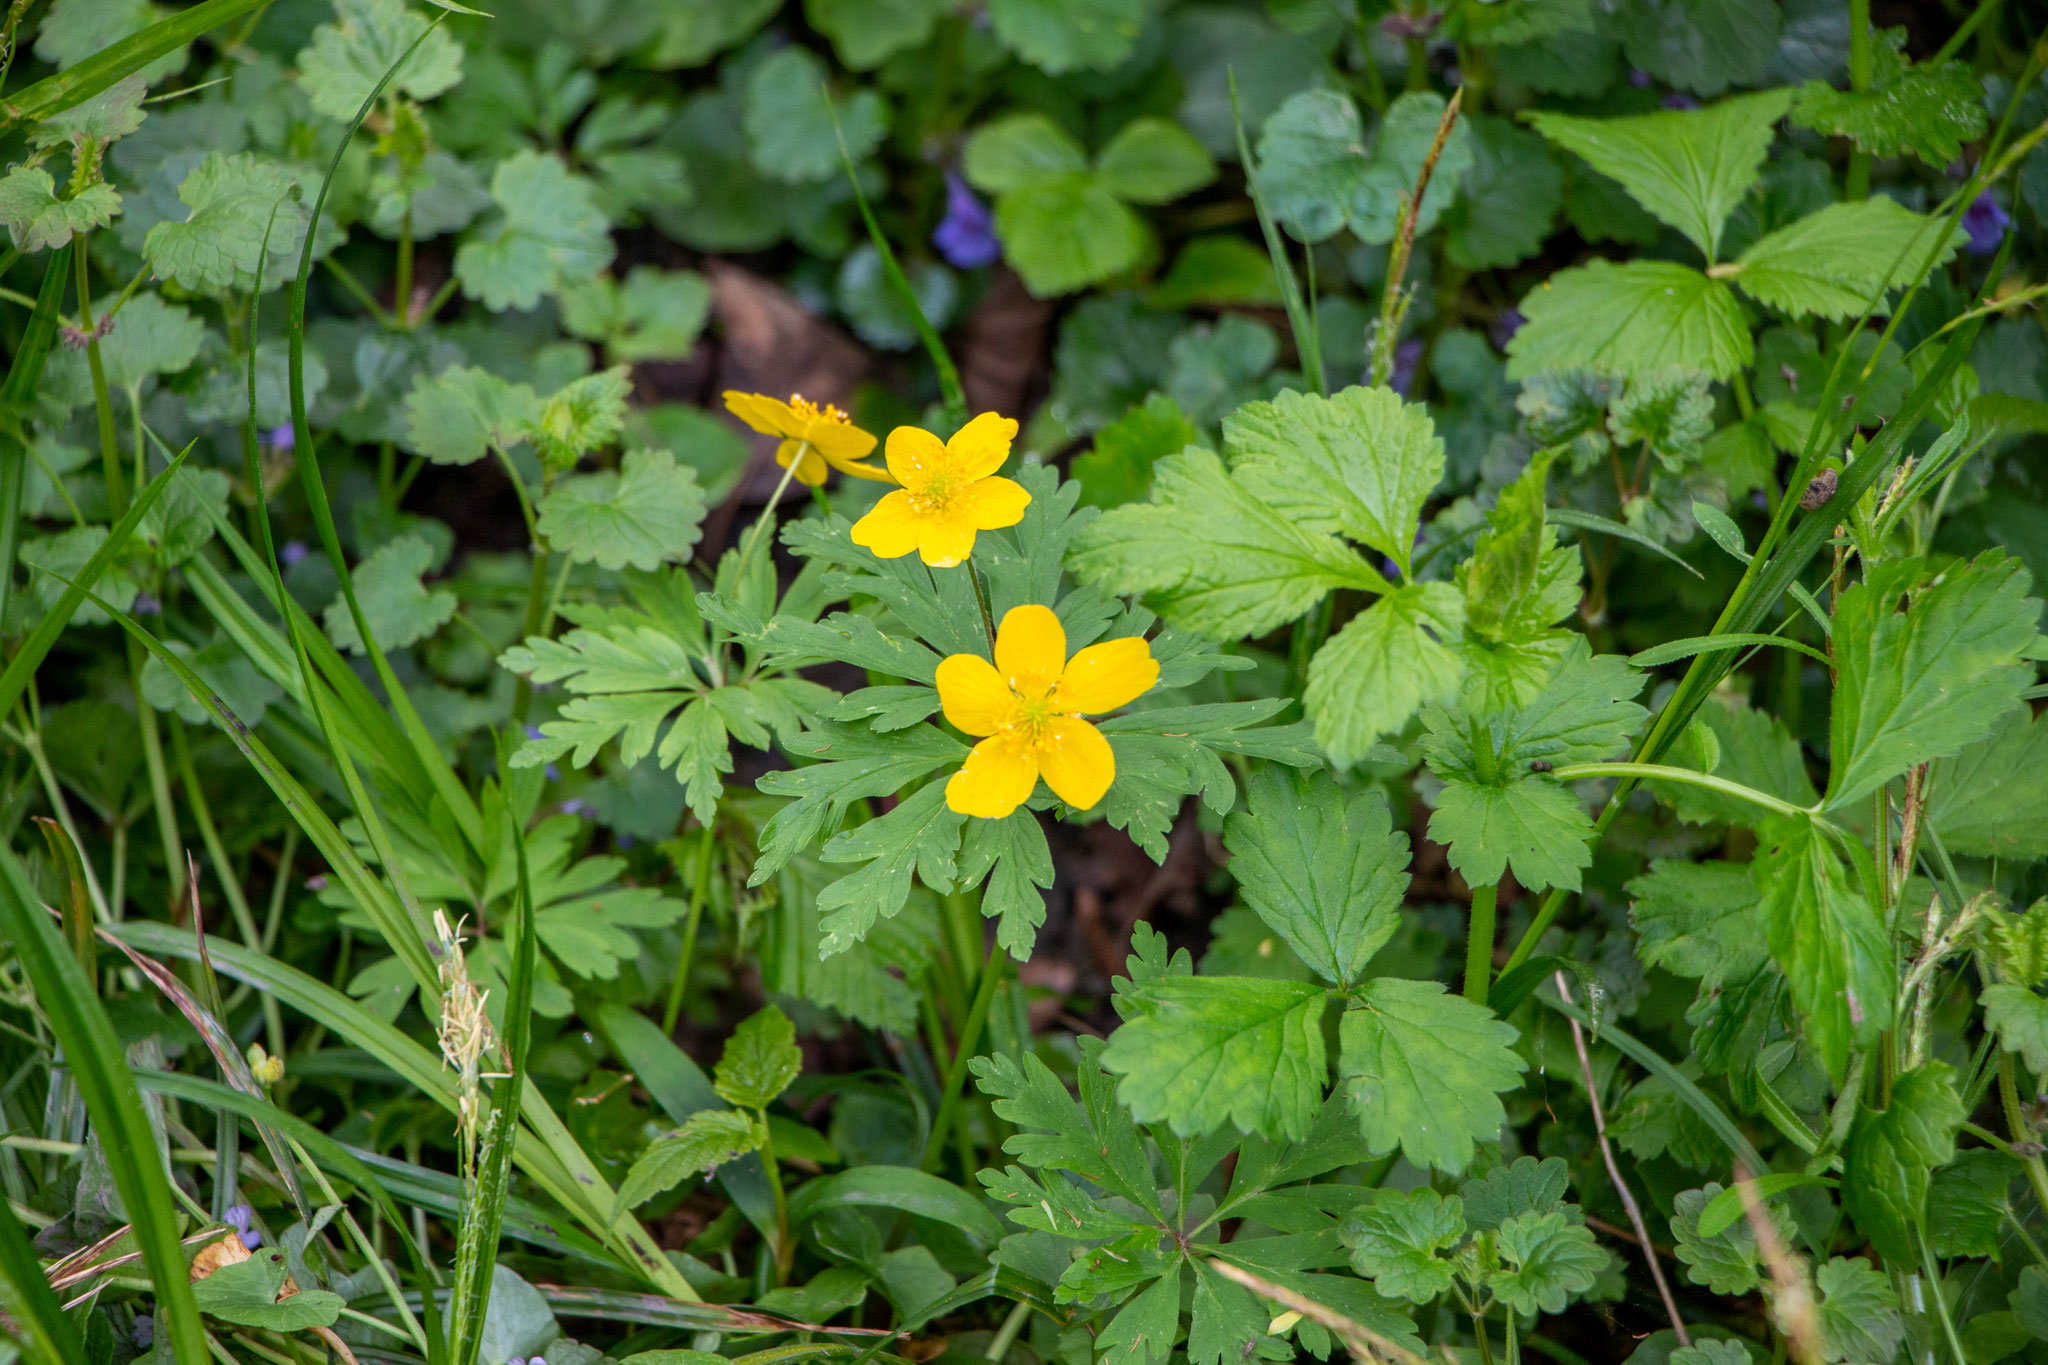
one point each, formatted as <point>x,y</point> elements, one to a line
<point>950,491</point>
<point>1029,705</point>
<point>814,436</point>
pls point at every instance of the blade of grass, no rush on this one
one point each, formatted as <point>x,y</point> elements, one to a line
<point>93,1054</point>
<point>24,377</point>
<point>37,1316</point>
<point>1587,521</point>
<point>75,85</point>
<point>1308,342</point>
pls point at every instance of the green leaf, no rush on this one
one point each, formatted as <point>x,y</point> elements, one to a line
<point>150,337</point>
<point>1703,46</point>
<point>1518,584</point>
<point>789,119</point>
<point>1400,146</point>
<point>1688,168</point>
<point>866,33</point>
<point>920,836</point>
<point>37,220</point>
<point>1360,463</point>
<point>1018,151</point>
<point>400,608</point>
<point>1697,919</point>
<point>1311,153</point>
<point>2021,942</point>
<point>1511,198</point>
<point>1013,855</point>
<point>2020,1019</point>
<point>1144,1329</point>
<point>646,514</point>
<point>1327,874</point>
<point>465,412</point>
<point>1922,682</point>
<point>1221,561</point>
<point>583,415</point>
<point>1423,1069</point>
<point>245,1293</point>
<point>1393,657</point>
<point>1058,36</point>
<point>1968,1203</point>
<point>1394,1241</point>
<point>1628,320</point>
<point>1153,161</point>
<point>1929,109</point>
<point>1890,1155</point>
<point>1552,1260</point>
<point>1226,1321</point>
<point>75,30</point>
<point>231,202</point>
<point>1088,1134</point>
<point>1535,826</point>
<point>708,1138</point>
<point>1839,261</point>
<point>1217,269</point>
<point>1858,1314</point>
<point>760,1061</point>
<point>548,232</point>
<point>1749,747</point>
<point>652,315</point>
<point>858,764</point>
<point>346,59</point>
<point>1726,1262</point>
<point>1991,799</point>
<point>693,34</point>
<point>1065,233</point>
<point>1119,467</point>
<point>1198,1052</point>
<point>1523,1186</point>
<point>1825,936</point>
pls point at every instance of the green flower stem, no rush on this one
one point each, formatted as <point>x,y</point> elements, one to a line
<point>1857,185</point>
<point>535,622</point>
<point>1479,943</point>
<point>159,781</point>
<point>1006,1335</point>
<point>698,888</point>
<point>768,512</point>
<point>2016,1124</point>
<point>785,1250</point>
<point>102,400</point>
<point>1573,772</point>
<point>956,1074</point>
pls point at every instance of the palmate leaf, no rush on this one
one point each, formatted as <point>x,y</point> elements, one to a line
<point>1167,754</point>
<point>1858,1314</point>
<point>1628,320</point>
<point>1422,1070</point>
<point>854,764</point>
<point>1394,1241</point>
<point>1317,175</point>
<point>1825,936</point>
<point>548,231</point>
<point>1196,1053</point>
<point>646,514</point>
<point>921,835</point>
<point>37,220</point>
<point>347,59</point>
<point>1087,1134</point>
<point>400,609</point>
<point>465,412</point>
<point>232,203</point>
<point>1548,1258</point>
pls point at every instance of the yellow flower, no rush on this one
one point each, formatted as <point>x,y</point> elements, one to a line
<point>1029,705</point>
<point>813,436</point>
<point>948,493</point>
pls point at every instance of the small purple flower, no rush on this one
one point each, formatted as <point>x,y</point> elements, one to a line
<point>966,235</point>
<point>291,552</point>
<point>238,1217</point>
<point>1678,99</point>
<point>1407,358</point>
<point>1639,79</point>
<point>143,1332</point>
<point>1506,323</point>
<point>279,438</point>
<point>574,806</point>
<point>1986,223</point>
<point>145,605</point>
<point>625,840</point>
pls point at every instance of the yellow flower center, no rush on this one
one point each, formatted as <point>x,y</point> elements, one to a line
<point>936,497</point>
<point>1034,718</point>
<point>815,412</point>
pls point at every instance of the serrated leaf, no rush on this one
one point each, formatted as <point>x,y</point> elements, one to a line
<point>583,415</point>
<point>1422,1070</point>
<point>921,836</point>
<point>1726,1262</point>
<point>1311,152</point>
<point>1395,656</point>
<point>463,413</point>
<point>1511,197</point>
<point>1891,1153</point>
<point>858,764</point>
<point>1551,1260</point>
<point>400,609</point>
<point>37,220</point>
<point>2020,1018</point>
<point>1016,860</point>
<point>347,59</point>
<point>1698,920</point>
<point>1825,936</point>
<point>1630,319</point>
<point>231,203</point>
<point>789,118</point>
<point>1968,1203</point>
<point>1401,145</point>
<point>1689,168</point>
<point>1144,1329</point>
<point>1119,467</point>
<point>1523,1186</point>
<point>1991,799</point>
<point>548,231</point>
<point>1196,1053</point>
<point>651,315</point>
<point>760,1060</point>
<point>646,514</point>
<point>1089,1135</point>
<point>1927,109</point>
<point>1703,46</point>
<point>1058,36</point>
<point>1841,260</point>
<point>1858,1313</point>
<point>1394,1241</point>
<point>708,1139</point>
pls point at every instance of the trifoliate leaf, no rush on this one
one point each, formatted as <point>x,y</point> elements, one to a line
<point>1920,683</point>
<point>1058,36</point>
<point>1220,559</point>
<point>652,315</point>
<point>1548,1259</point>
<point>1689,168</point>
<point>1523,1186</point>
<point>789,119</point>
<point>1199,1052</point>
<point>1360,462</point>
<point>760,1060</point>
<point>1327,874</point>
<point>866,33</point>
<point>1697,919</point>
<point>1841,260</point>
<point>1153,161</point>
<point>1394,1241</point>
<point>1991,799</point>
<point>548,231</point>
<point>1825,936</point>
<point>583,415</point>
<point>400,609</point>
<point>38,220</point>
<point>1891,1152</point>
<point>245,1293</point>
<point>465,412</point>
<point>646,514</point>
<point>1630,319</point>
<point>1858,1314</point>
<point>708,1139</point>
<point>1396,655</point>
<point>347,58</point>
<point>150,337</point>
<point>1927,109</point>
<point>1423,1069</point>
<point>1511,197</point>
<point>1703,46</point>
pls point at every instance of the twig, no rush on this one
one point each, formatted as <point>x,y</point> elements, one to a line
<point>1792,1304</point>
<point>1364,1343</point>
<point>1394,303</point>
<point>1628,1198</point>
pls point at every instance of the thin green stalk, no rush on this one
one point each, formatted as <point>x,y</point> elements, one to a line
<point>1006,1335</point>
<point>1479,943</point>
<point>2016,1124</point>
<point>1691,777</point>
<point>760,525</point>
<point>102,398</point>
<point>698,888</point>
<point>785,1248</point>
<point>159,779</point>
<point>1941,1313</point>
<point>956,1073</point>
<point>1858,181</point>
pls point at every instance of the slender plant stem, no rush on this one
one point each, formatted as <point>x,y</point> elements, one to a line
<point>970,1038</point>
<point>159,778</point>
<point>785,1249</point>
<point>1479,943</point>
<point>1006,1335</point>
<point>698,888</point>
<point>1690,776</point>
<point>103,402</point>
<point>2016,1123</point>
<point>1857,185</point>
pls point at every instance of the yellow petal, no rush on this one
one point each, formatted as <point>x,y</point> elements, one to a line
<point>948,539</point>
<point>991,504</point>
<point>974,695</point>
<point>914,455</point>
<point>1031,649</point>
<point>893,528</point>
<point>1076,762</point>
<point>1105,676</point>
<point>979,448</point>
<point>838,441</point>
<point>860,470</point>
<point>769,416</point>
<point>997,777</point>
<point>809,468</point>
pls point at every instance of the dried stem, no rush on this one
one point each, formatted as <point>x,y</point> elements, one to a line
<point>1364,1343</point>
<point>1394,303</point>
<point>1792,1299</point>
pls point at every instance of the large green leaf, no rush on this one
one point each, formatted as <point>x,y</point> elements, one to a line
<point>1825,936</point>
<point>1840,261</point>
<point>1398,654</point>
<point>1991,798</point>
<point>1630,320</point>
<point>1892,1153</point>
<point>1198,1052</point>
<point>1423,1070</point>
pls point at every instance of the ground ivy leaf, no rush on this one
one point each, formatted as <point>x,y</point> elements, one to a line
<point>1842,260</point>
<point>646,514</point>
<point>548,230</point>
<point>74,30</point>
<point>1920,683</point>
<point>1688,168</point>
<point>1222,562</point>
<point>1890,1154</point>
<point>38,220</point>
<point>1630,319</point>
<point>1991,799</point>
<point>1394,1241</point>
<point>789,118</point>
<point>1858,1313</point>
<point>1020,150</point>
<point>708,1139</point>
<point>1726,1262</point>
<point>866,33</point>
<point>1360,462</point>
<point>1423,1069</point>
<point>760,1061</point>
<point>583,415</point>
<point>1396,655</point>
<point>1401,145</point>
<point>1311,154</point>
<point>1698,920</point>
<point>1825,936</point>
<point>652,315</point>
<point>232,202</point>
<point>346,59</point>
<point>1057,36</point>
<point>150,337</point>
<point>1326,873</point>
<point>1523,1186</point>
<point>400,608</point>
<point>1199,1052</point>
<point>1552,1260</point>
<point>465,412</point>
